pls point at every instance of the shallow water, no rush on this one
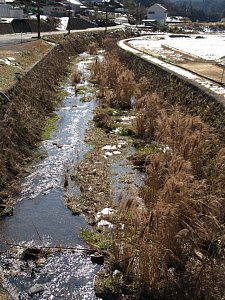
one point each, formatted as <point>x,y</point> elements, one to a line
<point>41,218</point>
<point>125,176</point>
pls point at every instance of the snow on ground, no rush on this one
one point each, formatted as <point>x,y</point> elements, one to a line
<point>7,60</point>
<point>209,47</point>
<point>63,20</point>
<point>216,88</point>
<point>63,25</point>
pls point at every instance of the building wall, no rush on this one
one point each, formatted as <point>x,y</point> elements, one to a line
<point>4,11</point>
<point>156,12</point>
<point>54,11</point>
<point>16,13</point>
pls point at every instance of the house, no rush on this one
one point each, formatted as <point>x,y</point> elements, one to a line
<point>55,10</point>
<point>156,14</point>
<point>62,8</point>
<point>4,11</point>
<point>7,11</point>
<point>75,5</point>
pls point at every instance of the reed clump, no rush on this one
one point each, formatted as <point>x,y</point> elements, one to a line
<point>172,242</point>
<point>117,85</point>
<point>92,48</point>
<point>188,136</point>
<point>76,77</point>
<point>168,242</point>
<point>148,108</point>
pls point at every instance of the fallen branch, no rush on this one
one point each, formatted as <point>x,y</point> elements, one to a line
<point>60,248</point>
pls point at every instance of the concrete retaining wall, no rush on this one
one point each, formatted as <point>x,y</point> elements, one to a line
<point>6,28</point>
<point>29,25</point>
<point>24,25</point>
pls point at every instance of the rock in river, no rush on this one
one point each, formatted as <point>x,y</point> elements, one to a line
<point>37,288</point>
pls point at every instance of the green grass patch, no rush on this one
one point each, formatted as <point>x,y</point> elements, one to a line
<point>63,93</point>
<point>51,125</point>
<point>85,99</point>
<point>126,132</point>
<point>2,184</point>
<point>81,90</point>
<point>143,146</point>
<point>96,240</point>
<point>114,112</point>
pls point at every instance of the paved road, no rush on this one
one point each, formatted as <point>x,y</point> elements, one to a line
<point>18,38</point>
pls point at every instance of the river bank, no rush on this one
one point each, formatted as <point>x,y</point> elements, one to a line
<point>159,236</point>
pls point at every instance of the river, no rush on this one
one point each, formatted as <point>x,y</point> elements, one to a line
<point>41,218</point>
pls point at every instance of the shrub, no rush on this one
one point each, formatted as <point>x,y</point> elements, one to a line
<point>76,77</point>
<point>116,83</point>
<point>92,48</point>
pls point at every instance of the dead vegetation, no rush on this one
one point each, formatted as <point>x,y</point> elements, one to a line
<point>16,60</point>
<point>76,78</point>
<point>93,48</point>
<point>168,243</point>
<point>112,74</point>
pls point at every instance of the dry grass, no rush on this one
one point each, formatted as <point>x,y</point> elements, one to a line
<point>25,56</point>
<point>116,82</point>
<point>186,135</point>
<point>76,77</point>
<point>172,239</point>
<point>93,48</point>
<point>171,243</point>
<point>148,108</point>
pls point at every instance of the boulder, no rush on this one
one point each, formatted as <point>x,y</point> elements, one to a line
<point>37,288</point>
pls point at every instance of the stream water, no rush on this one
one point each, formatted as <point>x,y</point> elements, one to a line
<point>40,217</point>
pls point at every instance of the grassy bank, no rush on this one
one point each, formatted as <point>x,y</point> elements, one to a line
<point>16,60</point>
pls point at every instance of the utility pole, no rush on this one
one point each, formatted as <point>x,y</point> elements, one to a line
<point>106,16</point>
<point>137,13</point>
<point>69,18</point>
<point>38,19</point>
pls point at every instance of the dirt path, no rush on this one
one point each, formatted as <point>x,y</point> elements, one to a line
<point>208,69</point>
<point>211,71</point>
